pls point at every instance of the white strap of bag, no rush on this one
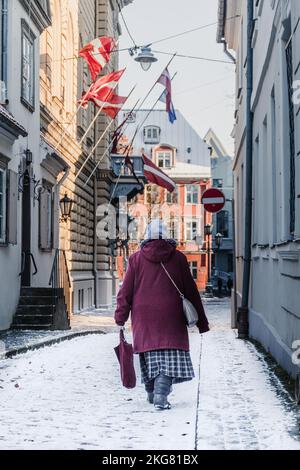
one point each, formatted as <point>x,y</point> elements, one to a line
<point>173,282</point>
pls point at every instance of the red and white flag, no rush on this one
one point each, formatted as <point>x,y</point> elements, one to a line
<point>102,94</point>
<point>156,176</point>
<point>97,54</point>
<point>165,80</point>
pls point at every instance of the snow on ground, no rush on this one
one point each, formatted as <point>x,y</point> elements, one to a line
<point>69,396</point>
<point>239,406</point>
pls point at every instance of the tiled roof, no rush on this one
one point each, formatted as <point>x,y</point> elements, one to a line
<point>9,120</point>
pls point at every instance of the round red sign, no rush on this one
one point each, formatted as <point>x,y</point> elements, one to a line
<point>213,200</point>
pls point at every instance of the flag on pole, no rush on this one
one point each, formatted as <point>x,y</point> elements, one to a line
<point>156,176</point>
<point>172,113</point>
<point>102,94</point>
<point>97,54</point>
<point>166,96</point>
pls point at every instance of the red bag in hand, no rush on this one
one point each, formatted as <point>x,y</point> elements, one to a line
<point>124,354</point>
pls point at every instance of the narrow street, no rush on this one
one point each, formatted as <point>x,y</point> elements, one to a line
<point>69,396</point>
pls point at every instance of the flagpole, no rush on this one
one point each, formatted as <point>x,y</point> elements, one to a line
<point>138,110</point>
<point>108,148</point>
<point>153,86</point>
<point>92,122</point>
<point>172,58</point>
<point>102,135</point>
<point>139,127</point>
<point>78,108</point>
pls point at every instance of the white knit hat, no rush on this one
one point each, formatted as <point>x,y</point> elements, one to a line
<point>156,229</point>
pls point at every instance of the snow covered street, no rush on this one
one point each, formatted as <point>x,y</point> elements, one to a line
<point>69,396</point>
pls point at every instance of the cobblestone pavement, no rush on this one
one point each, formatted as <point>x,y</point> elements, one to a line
<point>68,396</point>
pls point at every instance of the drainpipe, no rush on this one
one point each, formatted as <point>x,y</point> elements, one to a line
<point>95,272</point>
<point>4,40</point>
<point>227,51</point>
<point>243,311</point>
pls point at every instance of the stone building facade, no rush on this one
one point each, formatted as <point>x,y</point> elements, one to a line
<point>41,79</point>
<point>63,78</point>
<point>274,313</point>
<point>181,153</point>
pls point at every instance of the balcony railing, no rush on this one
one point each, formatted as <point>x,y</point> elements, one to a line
<point>120,169</point>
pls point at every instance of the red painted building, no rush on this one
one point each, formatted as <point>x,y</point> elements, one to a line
<point>180,152</point>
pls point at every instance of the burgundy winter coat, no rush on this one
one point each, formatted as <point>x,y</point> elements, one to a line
<point>157,316</point>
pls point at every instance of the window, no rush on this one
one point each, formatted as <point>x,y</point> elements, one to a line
<point>151,194</point>
<point>3,71</point>
<point>151,134</point>
<point>148,194</point>
<point>223,223</point>
<point>191,229</point>
<point>46,219</point>
<point>3,174</point>
<point>164,159</point>
<point>172,198</point>
<point>218,183</point>
<point>192,194</point>
<point>130,116</point>
<point>203,261</point>
<point>194,269</point>
<point>27,75</point>
<point>173,228</point>
<point>290,77</point>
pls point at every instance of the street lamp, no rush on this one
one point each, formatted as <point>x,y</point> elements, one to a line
<point>208,228</point>
<point>219,239</point>
<point>145,58</point>
<point>66,205</point>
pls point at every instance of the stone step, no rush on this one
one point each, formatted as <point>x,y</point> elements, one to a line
<point>32,327</point>
<point>36,291</point>
<point>36,300</point>
<point>34,310</point>
<point>30,320</point>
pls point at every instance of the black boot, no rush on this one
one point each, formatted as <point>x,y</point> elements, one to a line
<point>162,388</point>
<point>149,386</point>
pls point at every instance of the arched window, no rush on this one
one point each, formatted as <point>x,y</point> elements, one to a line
<point>56,48</point>
<point>164,156</point>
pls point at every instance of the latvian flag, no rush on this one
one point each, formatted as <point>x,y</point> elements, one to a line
<point>97,54</point>
<point>156,176</point>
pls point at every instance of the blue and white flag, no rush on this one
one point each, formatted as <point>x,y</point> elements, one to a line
<point>171,111</point>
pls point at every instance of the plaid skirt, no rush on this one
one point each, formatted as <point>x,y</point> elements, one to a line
<point>171,362</point>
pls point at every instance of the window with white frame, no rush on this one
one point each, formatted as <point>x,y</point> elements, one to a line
<point>191,230</point>
<point>151,194</point>
<point>27,76</point>
<point>164,159</point>
<point>151,134</point>
<point>172,198</point>
<point>194,269</point>
<point>192,194</point>
<point>3,175</point>
<point>173,228</point>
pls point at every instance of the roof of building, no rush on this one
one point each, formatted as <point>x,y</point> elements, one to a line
<point>213,140</point>
<point>187,171</point>
<point>8,119</point>
<point>190,147</point>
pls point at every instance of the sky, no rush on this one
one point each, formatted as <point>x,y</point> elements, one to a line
<point>203,91</point>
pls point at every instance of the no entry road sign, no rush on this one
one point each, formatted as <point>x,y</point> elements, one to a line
<point>213,200</point>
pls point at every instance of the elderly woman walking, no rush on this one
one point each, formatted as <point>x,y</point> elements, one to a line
<point>160,335</point>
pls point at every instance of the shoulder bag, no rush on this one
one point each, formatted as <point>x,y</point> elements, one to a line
<point>190,313</point>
